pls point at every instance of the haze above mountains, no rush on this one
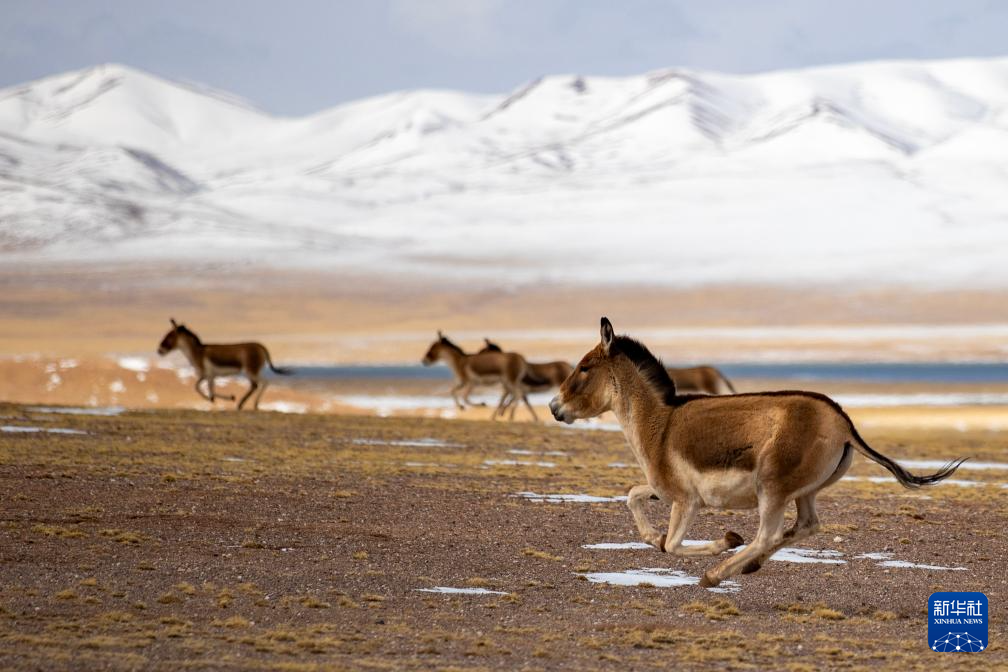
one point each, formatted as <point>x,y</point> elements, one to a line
<point>886,172</point>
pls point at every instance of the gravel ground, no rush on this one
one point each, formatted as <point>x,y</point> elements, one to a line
<point>187,540</point>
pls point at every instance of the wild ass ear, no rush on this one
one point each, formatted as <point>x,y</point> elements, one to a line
<point>439,334</point>
<point>607,334</point>
<point>173,322</point>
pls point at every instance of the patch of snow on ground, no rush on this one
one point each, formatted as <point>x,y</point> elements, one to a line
<point>460,591</point>
<point>883,559</point>
<point>136,364</point>
<point>284,407</point>
<point>968,465</point>
<point>72,410</point>
<point>415,443</point>
<point>17,429</point>
<point>658,576</point>
<point>518,463</point>
<point>579,498</point>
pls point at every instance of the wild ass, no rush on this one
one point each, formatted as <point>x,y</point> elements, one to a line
<point>746,451</point>
<point>700,380</point>
<point>539,377</point>
<point>221,359</point>
<point>484,368</point>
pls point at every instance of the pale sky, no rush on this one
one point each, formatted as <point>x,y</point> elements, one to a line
<point>301,56</point>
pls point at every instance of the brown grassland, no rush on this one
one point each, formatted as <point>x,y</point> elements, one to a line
<point>173,540</point>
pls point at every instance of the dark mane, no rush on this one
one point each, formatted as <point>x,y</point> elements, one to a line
<point>651,368</point>
<point>182,329</point>
<point>491,347</point>
<point>445,342</point>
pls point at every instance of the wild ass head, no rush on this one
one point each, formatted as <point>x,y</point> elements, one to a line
<point>590,389</point>
<point>439,349</point>
<point>171,339</point>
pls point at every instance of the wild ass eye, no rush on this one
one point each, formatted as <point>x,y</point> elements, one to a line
<point>584,369</point>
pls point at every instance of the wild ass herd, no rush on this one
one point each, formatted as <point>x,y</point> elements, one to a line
<point>698,443</point>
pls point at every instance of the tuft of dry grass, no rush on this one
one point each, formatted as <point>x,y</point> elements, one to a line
<point>313,602</point>
<point>58,531</point>
<point>718,610</point>
<point>542,555</point>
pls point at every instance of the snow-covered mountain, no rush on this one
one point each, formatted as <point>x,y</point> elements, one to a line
<point>889,172</point>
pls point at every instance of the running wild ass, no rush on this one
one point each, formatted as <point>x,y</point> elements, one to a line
<point>538,377</point>
<point>484,368</point>
<point>743,451</point>
<point>221,359</point>
<point>700,380</point>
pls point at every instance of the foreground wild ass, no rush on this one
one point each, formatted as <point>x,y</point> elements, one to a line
<point>484,368</point>
<point>221,359</point>
<point>741,451</point>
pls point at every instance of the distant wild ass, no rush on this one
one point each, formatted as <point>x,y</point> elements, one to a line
<point>539,377</point>
<point>742,451</point>
<point>700,380</point>
<point>218,359</point>
<point>484,368</point>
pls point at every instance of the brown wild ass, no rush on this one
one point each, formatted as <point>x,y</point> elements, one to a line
<point>538,377</point>
<point>741,451</point>
<point>221,359</point>
<point>484,368</point>
<point>700,380</point>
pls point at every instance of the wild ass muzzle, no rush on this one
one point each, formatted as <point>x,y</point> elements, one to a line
<point>700,380</point>
<point>743,451</point>
<point>539,377</point>
<point>221,359</point>
<point>484,368</point>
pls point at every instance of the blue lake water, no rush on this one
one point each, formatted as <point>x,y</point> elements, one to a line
<point>926,372</point>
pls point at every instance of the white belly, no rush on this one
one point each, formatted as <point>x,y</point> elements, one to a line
<point>732,489</point>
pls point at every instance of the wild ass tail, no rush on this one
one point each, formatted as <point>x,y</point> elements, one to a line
<point>906,479</point>
<point>281,370</point>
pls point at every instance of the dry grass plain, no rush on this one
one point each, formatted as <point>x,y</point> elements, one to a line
<point>172,540</point>
<point>88,311</point>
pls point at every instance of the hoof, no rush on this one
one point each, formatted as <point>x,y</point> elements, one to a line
<point>733,540</point>
<point>661,544</point>
<point>709,580</point>
<point>753,566</point>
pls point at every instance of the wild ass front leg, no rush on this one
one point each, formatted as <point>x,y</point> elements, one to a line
<point>454,393</point>
<point>465,396</point>
<point>679,521</point>
<point>635,502</point>
<point>213,396</point>
<point>528,405</point>
<point>200,392</point>
<point>769,536</point>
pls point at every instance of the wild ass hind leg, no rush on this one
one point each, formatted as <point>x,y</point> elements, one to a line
<point>680,517</point>
<point>501,406</point>
<point>262,388</point>
<point>769,535</point>
<point>253,386</point>
<point>806,524</point>
<point>635,502</point>
<point>528,405</point>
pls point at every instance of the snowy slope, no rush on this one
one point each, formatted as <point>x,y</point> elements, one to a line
<point>887,172</point>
